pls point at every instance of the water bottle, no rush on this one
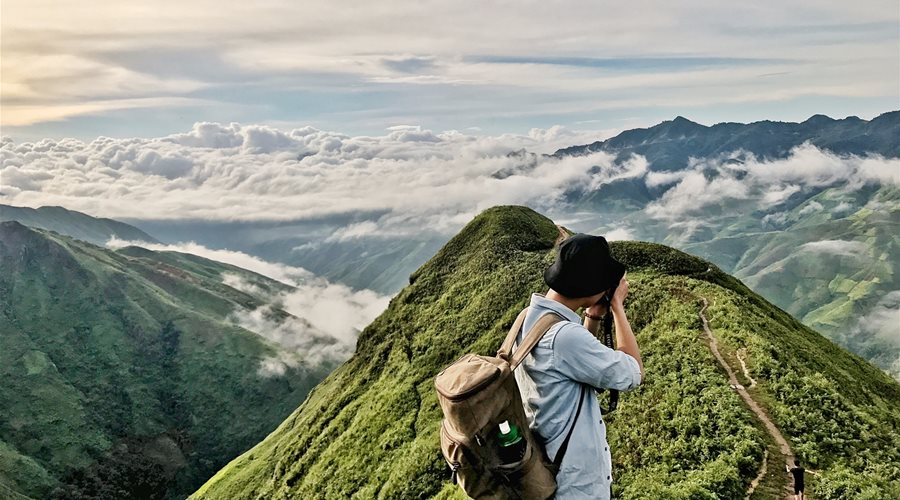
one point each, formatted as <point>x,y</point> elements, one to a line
<point>512,444</point>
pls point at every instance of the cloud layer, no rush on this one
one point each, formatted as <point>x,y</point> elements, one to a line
<point>253,172</point>
<point>408,180</point>
<point>68,69</point>
<point>326,317</point>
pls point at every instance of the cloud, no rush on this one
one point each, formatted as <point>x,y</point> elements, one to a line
<point>619,234</point>
<point>656,179</point>
<point>837,247</point>
<point>461,62</point>
<point>325,318</point>
<point>290,275</point>
<point>414,177</point>
<point>811,207</point>
<point>842,208</point>
<point>408,181</point>
<point>324,323</point>
<point>765,184</point>
<point>883,323</point>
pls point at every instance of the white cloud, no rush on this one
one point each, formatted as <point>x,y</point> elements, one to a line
<point>765,184</point>
<point>836,247</point>
<point>325,320</point>
<point>694,193</point>
<point>842,208</point>
<point>416,178</point>
<point>619,234</point>
<point>656,179</point>
<point>811,207</point>
<point>883,323</point>
<point>67,60</point>
<point>290,275</point>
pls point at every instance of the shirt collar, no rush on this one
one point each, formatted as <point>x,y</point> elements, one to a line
<point>539,301</point>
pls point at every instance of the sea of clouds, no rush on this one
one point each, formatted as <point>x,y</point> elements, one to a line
<point>413,178</point>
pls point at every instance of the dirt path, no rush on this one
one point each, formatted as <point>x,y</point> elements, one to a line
<point>760,413</point>
<point>762,472</point>
<point>740,358</point>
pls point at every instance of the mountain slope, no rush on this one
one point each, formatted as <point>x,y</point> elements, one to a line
<point>837,272</point>
<point>124,374</point>
<point>75,224</point>
<point>371,428</point>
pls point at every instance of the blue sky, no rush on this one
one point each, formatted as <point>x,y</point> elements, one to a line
<point>130,69</point>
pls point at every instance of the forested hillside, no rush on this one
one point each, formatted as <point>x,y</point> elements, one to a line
<point>371,428</point>
<point>123,374</point>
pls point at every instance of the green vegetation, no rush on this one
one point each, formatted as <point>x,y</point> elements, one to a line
<point>829,267</point>
<point>370,430</point>
<point>122,374</point>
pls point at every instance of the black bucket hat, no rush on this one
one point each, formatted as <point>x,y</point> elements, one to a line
<point>583,267</point>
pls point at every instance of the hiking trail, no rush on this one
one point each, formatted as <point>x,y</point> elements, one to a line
<point>740,358</point>
<point>748,399</point>
<point>762,473</point>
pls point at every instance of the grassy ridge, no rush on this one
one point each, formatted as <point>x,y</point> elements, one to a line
<point>370,429</point>
<point>123,376</point>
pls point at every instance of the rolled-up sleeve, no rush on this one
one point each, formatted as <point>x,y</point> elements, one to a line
<point>580,356</point>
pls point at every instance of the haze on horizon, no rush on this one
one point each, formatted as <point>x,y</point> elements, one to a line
<point>129,69</point>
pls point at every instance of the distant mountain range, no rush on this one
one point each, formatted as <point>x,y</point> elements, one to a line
<point>127,374</point>
<point>670,144</point>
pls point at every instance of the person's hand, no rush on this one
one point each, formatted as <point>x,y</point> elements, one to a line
<point>598,309</point>
<point>618,298</point>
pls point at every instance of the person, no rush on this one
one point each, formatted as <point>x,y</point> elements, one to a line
<point>798,472</point>
<point>570,356</point>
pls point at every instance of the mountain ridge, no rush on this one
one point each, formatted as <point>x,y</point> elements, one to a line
<point>78,225</point>
<point>850,135</point>
<point>370,429</point>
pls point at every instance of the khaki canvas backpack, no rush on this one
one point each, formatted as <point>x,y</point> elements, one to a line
<point>478,393</point>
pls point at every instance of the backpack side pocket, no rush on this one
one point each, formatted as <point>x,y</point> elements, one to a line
<point>474,480</point>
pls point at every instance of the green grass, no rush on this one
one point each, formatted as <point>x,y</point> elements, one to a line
<point>370,429</point>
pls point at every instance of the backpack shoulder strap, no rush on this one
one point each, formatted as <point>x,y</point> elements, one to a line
<point>557,460</point>
<point>533,337</point>
<point>510,339</point>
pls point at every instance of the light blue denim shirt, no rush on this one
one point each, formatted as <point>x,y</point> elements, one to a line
<point>550,380</point>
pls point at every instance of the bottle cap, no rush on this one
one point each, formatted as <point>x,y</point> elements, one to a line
<point>504,427</point>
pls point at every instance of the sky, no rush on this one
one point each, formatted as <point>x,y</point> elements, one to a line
<point>149,69</point>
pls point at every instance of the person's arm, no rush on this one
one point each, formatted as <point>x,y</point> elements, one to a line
<point>625,339</point>
<point>579,355</point>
